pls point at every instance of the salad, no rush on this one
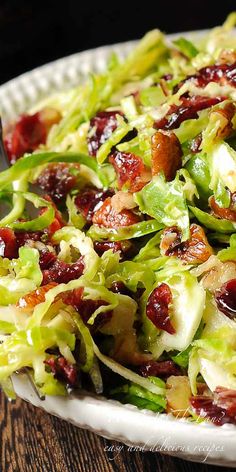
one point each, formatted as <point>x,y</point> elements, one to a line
<point>118,233</point>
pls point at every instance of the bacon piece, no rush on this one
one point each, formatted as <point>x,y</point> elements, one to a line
<point>101,128</point>
<point>166,154</point>
<point>29,301</point>
<point>225,213</point>
<point>130,171</point>
<point>63,370</point>
<point>158,308</point>
<point>89,199</point>
<point>189,108</point>
<point>160,369</point>
<point>8,245</point>
<point>107,217</point>
<point>193,251</point>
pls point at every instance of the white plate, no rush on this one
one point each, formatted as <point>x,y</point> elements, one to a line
<point>143,429</point>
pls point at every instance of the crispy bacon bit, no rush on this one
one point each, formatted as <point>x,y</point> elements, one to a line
<point>109,218</point>
<point>225,213</point>
<point>62,272</point>
<point>205,407</point>
<point>224,74</point>
<point>225,298</point>
<point>226,398</point>
<point>101,128</point>
<point>158,308</point>
<point>90,199</point>
<point>160,369</point>
<point>125,248</point>
<point>130,171</point>
<point>29,132</point>
<point>189,108</point>
<point>194,251</point>
<point>166,154</point>
<point>8,244</point>
<point>62,370</point>
<point>58,179</point>
<point>29,301</point>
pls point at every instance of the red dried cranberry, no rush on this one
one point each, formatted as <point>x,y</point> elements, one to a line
<point>86,307</point>
<point>124,247</point>
<point>22,237</point>
<point>188,109</point>
<point>62,272</point>
<point>28,133</point>
<point>205,407</point>
<point>158,308</point>
<point>8,245</point>
<point>220,73</point>
<point>120,287</point>
<point>225,298</point>
<point>46,259</point>
<point>130,171</point>
<point>101,127</point>
<point>89,199</point>
<point>61,368</point>
<point>57,180</point>
<point>160,369</point>
<point>226,398</point>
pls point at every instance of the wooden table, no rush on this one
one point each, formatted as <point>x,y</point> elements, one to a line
<point>34,441</point>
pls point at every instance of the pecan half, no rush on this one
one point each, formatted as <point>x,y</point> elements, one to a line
<point>166,154</point>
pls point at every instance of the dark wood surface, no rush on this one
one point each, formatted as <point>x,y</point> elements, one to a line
<point>34,441</point>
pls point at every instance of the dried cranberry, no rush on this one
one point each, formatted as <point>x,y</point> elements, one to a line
<point>27,134</point>
<point>22,237</point>
<point>86,307</point>
<point>226,398</point>
<point>46,259</point>
<point>62,272</point>
<point>221,73</point>
<point>130,171</point>
<point>158,308</point>
<point>120,287</point>
<point>8,245</point>
<point>58,180</point>
<point>108,217</point>
<point>188,109</point>
<point>205,407</point>
<point>124,247</point>
<point>101,128</point>
<point>225,298</point>
<point>63,370</point>
<point>89,199</point>
<point>160,369</point>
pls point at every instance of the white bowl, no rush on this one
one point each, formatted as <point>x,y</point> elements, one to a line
<point>140,429</point>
